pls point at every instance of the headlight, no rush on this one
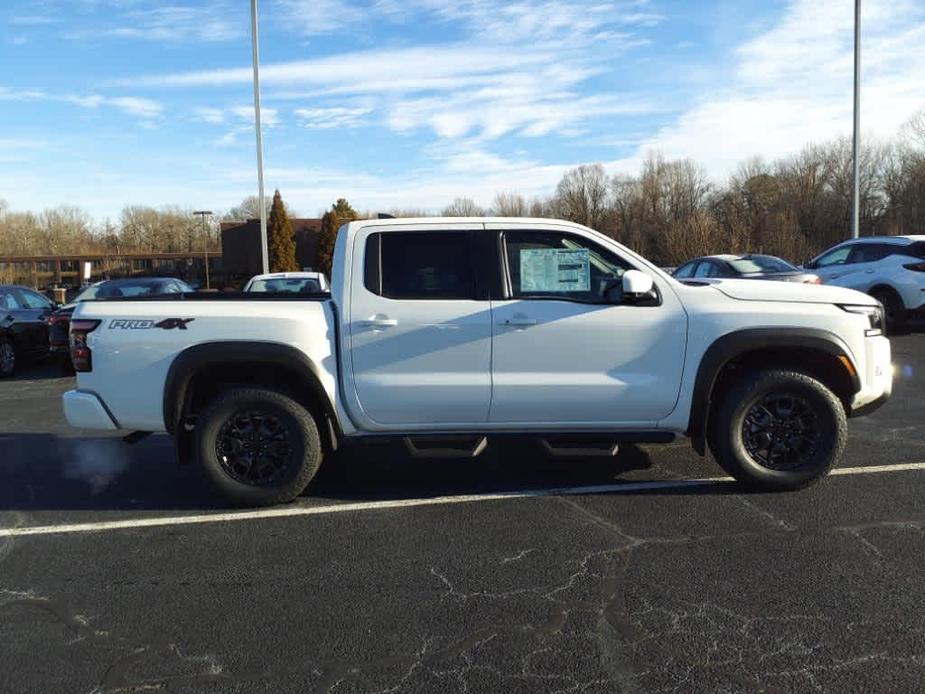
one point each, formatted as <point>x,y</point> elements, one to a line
<point>875,315</point>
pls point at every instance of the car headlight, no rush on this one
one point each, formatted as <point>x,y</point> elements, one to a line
<point>875,314</point>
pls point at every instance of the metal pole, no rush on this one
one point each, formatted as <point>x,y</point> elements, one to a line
<point>263,208</point>
<point>856,147</point>
<point>202,215</point>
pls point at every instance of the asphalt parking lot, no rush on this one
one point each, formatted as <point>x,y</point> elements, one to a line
<point>119,572</point>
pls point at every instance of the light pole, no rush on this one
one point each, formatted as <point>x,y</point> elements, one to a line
<point>263,208</point>
<point>202,215</point>
<point>856,146</point>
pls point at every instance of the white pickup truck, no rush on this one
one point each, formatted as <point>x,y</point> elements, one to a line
<point>449,332</point>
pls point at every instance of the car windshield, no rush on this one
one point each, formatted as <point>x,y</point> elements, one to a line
<point>760,263</point>
<point>110,290</point>
<point>304,285</point>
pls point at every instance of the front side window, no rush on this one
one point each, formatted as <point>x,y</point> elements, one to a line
<point>412,265</point>
<point>549,264</point>
<point>838,256</point>
<point>685,271</point>
<point>8,301</point>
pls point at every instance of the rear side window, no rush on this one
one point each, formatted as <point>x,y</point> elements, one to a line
<point>8,301</point>
<point>411,265</point>
<point>870,252</point>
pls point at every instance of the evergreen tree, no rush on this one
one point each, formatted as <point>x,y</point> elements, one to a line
<point>281,239</point>
<point>340,213</point>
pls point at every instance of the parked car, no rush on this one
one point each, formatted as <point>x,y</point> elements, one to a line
<point>302,282</point>
<point>889,268</point>
<point>750,266</point>
<point>59,321</point>
<point>445,332</point>
<point>23,326</point>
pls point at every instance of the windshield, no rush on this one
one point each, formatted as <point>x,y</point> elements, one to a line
<point>304,285</point>
<point>760,263</point>
<point>111,290</point>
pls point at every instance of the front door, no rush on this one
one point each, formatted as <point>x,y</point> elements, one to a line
<point>565,353</point>
<point>420,340</point>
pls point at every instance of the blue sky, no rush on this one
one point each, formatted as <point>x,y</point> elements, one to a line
<point>410,103</point>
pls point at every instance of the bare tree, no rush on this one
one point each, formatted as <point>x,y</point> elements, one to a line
<point>581,195</point>
<point>463,207</point>
<point>510,205</point>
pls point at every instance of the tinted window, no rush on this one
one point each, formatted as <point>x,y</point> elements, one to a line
<point>562,266</point>
<point>8,301</point>
<point>685,270</point>
<point>300,285</point>
<point>435,265</point>
<point>870,252</point>
<point>33,299</point>
<point>837,256</point>
<point>706,269</point>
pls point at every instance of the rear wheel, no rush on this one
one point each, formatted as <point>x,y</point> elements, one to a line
<point>778,430</point>
<point>7,358</point>
<point>893,308</point>
<point>258,447</point>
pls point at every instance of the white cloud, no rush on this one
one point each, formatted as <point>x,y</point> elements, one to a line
<point>209,115</point>
<point>269,117</point>
<point>133,105</point>
<point>171,23</point>
<point>334,117</point>
<point>319,16</point>
<point>793,85</point>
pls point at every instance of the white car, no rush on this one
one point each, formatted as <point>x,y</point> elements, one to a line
<point>445,333</point>
<point>301,282</point>
<point>889,268</point>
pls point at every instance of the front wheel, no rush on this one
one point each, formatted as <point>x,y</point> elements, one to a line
<point>778,430</point>
<point>258,447</point>
<point>7,358</point>
<point>893,309</point>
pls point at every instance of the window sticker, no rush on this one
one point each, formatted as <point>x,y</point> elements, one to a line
<point>555,270</point>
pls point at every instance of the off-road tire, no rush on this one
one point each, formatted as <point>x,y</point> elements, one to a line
<point>729,429</point>
<point>301,436</point>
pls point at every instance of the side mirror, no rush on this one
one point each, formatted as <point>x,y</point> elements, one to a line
<point>639,289</point>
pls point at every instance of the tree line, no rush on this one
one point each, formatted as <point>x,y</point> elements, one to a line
<point>669,211</point>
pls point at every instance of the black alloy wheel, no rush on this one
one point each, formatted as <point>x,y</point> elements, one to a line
<point>781,432</point>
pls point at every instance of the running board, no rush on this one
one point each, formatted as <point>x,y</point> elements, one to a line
<point>578,448</point>
<point>445,446</point>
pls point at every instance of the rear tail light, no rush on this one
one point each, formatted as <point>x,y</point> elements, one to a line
<point>80,351</point>
<point>915,267</point>
<point>54,319</point>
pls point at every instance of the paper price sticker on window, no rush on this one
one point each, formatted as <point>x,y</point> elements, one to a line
<point>555,270</point>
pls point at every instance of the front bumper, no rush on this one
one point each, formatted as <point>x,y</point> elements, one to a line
<point>85,410</point>
<point>877,378</point>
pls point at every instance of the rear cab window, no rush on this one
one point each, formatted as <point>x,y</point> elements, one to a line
<point>413,265</point>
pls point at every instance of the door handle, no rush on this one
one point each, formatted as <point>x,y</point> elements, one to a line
<point>834,275</point>
<point>870,271</point>
<point>517,322</point>
<point>379,323</point>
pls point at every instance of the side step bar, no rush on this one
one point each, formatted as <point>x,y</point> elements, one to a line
<point>565,447</point>
<point>445,446</point>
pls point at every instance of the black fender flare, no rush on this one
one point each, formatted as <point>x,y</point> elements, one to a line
<point>731,345</point>
<point>188,362</point>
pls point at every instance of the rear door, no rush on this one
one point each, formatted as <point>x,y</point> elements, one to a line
<point>32,318</point>
<point>419,328</point>
<point>562,355</point>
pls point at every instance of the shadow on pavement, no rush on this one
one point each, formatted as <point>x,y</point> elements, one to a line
<point>49,472</point>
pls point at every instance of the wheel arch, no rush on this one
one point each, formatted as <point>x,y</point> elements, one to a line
<point>822,354</point>
<point>204,369</point>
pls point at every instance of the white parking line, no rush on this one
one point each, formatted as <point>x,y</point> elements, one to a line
<point>292,511</point>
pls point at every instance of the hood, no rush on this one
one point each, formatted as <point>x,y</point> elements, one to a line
<point>768,290</point>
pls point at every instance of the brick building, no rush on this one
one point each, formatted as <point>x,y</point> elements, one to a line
<point>241,246</point>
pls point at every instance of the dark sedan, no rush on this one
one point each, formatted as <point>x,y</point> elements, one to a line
<point>59,321</point>
<point>23,326</point>
<point>751,266</point>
